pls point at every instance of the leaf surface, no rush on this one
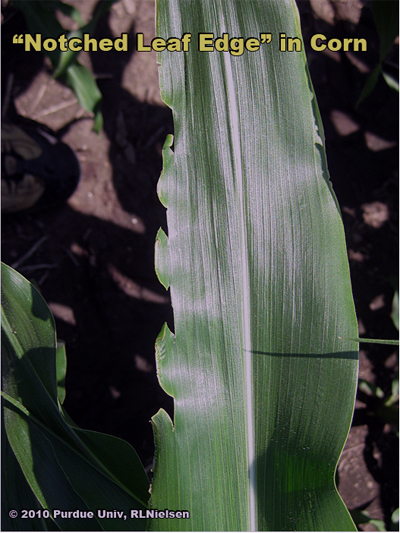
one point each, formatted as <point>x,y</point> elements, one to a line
<point>256,261</point>
<point>63,467</point>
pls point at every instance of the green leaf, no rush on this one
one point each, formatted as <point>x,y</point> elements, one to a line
<point>395,520</point>
<point>70,11</point>
<point>61,369</point>
<point>391,81</point>
<point>68,57</point>
<point>370,388</point>
<point>37,459</point>
<point>389,342</point>
<point>41,18</point>
<point>16,492</point>
<point>85,87</point>
<point>65,467</point>
<point>256,263</point>
<point>362,517</point>
<point>386,17</point>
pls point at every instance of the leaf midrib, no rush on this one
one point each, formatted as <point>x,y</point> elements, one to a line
<point>245,275</point>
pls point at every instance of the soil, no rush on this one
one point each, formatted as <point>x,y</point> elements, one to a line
<point>93,258</point>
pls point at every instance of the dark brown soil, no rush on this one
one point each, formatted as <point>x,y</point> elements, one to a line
<point>95,266</point>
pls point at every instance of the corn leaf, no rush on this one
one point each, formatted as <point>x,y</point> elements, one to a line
<point>61,370</point>
<point>16,492</point>
<point>256,262</point>
<point>57,465</point>
<point>41,19</point>
<point>81,81</point>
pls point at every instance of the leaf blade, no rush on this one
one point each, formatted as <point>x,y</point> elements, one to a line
<point>65,467</point>
<point>251,218</point>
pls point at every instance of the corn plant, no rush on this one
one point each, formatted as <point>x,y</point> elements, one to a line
<point>41,19</point>
<point>262,363</point>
